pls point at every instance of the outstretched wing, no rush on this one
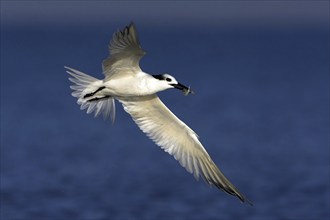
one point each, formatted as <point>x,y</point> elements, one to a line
<point>176,138</point>
<point>125,52</point>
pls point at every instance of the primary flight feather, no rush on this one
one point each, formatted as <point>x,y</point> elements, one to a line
<point>136,90</point>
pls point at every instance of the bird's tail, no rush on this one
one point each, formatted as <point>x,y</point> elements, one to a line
<point>88,91</point>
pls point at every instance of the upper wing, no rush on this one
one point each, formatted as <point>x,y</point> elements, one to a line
<point>176,138</point>
<point>125,52</point>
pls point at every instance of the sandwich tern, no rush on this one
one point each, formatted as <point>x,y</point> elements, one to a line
<point>136,91</point>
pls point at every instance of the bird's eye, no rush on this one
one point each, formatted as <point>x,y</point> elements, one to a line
<point>168,79</point>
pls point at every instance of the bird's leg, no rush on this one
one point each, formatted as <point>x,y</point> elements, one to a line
<point>98,98</point>
<point>93,93</point>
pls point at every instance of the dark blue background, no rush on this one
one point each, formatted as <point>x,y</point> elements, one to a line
<point>261,109</point>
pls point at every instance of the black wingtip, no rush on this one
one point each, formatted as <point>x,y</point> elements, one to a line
<point>244,200</point>
<point>131,24</point>
<point>128,29</point>
<point>248,202</point>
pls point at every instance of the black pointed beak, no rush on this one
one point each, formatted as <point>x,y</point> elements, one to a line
<point>186,90</point>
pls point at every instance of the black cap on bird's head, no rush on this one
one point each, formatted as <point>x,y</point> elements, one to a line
<point>174,83</point>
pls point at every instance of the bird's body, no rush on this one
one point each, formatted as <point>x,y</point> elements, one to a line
<point>139,84</point>
<point>135,84</point>
<point>136,90</point>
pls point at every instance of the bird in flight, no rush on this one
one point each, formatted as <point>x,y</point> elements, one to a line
<point>136,90</point>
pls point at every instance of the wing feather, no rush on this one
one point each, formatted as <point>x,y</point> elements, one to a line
<point>125,52</point>
<point>176,138</point>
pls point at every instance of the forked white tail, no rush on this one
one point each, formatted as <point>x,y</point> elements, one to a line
<point>84,89</point>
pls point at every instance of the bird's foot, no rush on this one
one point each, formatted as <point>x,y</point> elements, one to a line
<point>98,98</point>
<point>93,93</point>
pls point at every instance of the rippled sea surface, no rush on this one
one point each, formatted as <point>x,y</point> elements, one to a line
<point>261,110</point>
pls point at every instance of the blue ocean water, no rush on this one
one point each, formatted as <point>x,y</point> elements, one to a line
<point>261,110</point>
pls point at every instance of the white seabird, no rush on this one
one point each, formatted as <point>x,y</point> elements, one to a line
<point>136,90</point>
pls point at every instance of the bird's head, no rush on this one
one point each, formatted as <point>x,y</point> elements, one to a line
<point>167,81</point>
